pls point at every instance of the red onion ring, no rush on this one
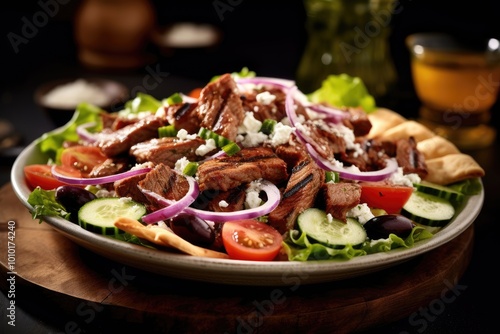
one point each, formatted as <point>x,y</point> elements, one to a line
<point>333,115</point>
<point>96,180</point>
<point>84,134</point>
<point>281,83</point>
<point>171,208</point>
<point>379,175</point>
<point>273,200</point>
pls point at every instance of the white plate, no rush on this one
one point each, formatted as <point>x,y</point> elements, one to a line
<point>235,272</point>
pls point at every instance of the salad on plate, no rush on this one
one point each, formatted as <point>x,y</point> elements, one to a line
<point>251,168</point>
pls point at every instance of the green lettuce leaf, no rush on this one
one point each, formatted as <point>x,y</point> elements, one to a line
<point>50,143</point>
<point>467,187</point>
<point>141,103</point>
<point>299,248</point>
<point>44,204</point>
<point>344,91</point>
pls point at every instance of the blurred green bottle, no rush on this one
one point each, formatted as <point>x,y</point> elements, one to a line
<point>348,36</point>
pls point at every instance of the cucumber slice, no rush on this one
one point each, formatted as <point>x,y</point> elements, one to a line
<point>314,222</point>
<point>447,193</point>
<point>99,215</point>
<point>428,209</point>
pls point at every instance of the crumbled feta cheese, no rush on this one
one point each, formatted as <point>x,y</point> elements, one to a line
<point>104,193</point>
<point>207,147</point>
<point>252,199</point>
<point>182,134</point>
<point>361,212</point>
<point>281,134</point>
<point>265,98</point>
<point>181,164</point>
<point>254,139</point>
<point>398,178</point>
<point>223,204</point>
<point>329,217</point>
<point>250,124</point>
<point>348,135</point>
<point>147,164</point>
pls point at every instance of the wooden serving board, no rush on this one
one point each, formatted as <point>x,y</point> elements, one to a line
<point>92,293</point>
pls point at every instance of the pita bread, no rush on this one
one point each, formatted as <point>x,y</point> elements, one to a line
<point>163,237</point>
<point>408,129</point>
<point>436,147</point>
<point>452,168</point>
<point>383,119</point>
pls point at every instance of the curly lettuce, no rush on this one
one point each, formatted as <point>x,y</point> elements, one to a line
<point>344,91</point>
<point>300,248</point>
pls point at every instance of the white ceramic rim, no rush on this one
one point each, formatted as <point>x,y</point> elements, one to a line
<point>235,272</point>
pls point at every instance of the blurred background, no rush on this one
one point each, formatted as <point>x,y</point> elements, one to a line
<point>39,37</point>
<point>45,40</point>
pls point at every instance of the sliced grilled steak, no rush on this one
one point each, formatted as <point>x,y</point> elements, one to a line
<point>183,116</point>
<point>340,198</point>
<point>166,150</point>
<point>120,141</point>
<point>127,187</point>
<point>325,142</point>
<point>164,181</point>
<point>247,165</point>
<point>234,198</point>
<point>292,153</point>
<point>219,107</point>
<point>410,158</point>
<point>109,167</point>
<point>358,122</point>
<point>300,193</point>
<point>265,106</point>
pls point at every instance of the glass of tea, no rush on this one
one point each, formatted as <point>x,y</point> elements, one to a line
<point>457,80</point>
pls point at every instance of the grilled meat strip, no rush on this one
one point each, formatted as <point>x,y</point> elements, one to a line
<point>164,181</point>
<point>358,122</point>
<point>183,116</point>
<point>340,198</point>
<point>127,187</point>
<point>247,165</point>
<point>120,141</point>
<point>273,108</point>
<point>166,150</point>
<point>300,193</point>
<point>410,158</point>
<point>219,107</point>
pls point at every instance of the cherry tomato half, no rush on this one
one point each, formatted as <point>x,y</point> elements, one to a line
<point>41,175</point>
<point>195,93</point>
<point>248,239</point>
<point>380,195</point>
<point>83,158</point>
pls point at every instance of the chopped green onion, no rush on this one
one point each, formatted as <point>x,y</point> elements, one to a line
<point>331,176</point>
<point>175,98</point>
<point>190,169</point>
<point>167,131</point>
<point>268,126</point>
<point>227,145</point>
<point>231,148</point>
